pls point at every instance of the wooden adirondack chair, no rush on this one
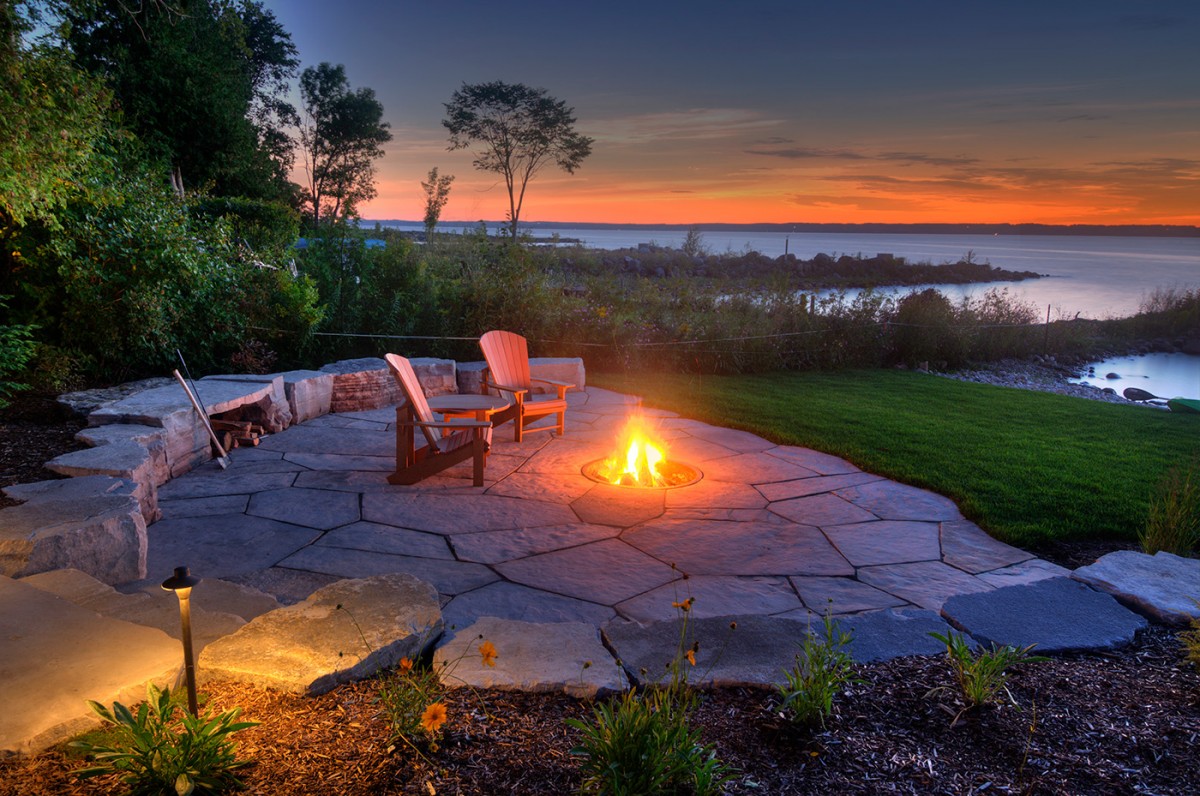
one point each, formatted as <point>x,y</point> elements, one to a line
<point>467,438</point>
<point>507,356</point>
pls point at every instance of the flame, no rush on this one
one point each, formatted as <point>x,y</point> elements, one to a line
<point>638,464</point>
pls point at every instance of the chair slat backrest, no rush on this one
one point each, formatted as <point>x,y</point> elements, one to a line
<point>402,369</point>
<point>507,356</point>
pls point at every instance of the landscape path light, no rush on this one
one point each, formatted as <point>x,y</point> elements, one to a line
<point>181,583</point>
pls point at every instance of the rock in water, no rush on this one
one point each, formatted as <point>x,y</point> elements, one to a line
<point>1134,394</point>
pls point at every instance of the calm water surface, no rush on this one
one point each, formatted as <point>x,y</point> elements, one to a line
<point>1164,375</point>
<point>1094,276</point>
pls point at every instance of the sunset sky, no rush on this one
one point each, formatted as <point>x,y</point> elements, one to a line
<point>1054,112</point>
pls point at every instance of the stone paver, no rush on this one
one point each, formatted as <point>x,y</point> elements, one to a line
<point>312,508</point>
<point>842,595</point>
<point>555,657</point>
<point>494,548</point>
<point>1164,587</point>
<point>714,595</point>
<point>886,542</point>
<point>714,547</point>
<point>605,504</point>
<point>218,546</point>
<point>607,572</point>
<point>1082,618</point>
<point>376,538</point>
<point>966,546</point>
<point>924,583</point>
<point>889,500</point>
<point>822,510</point>
<point>523,604</point>
<point>345,631</point>
<point>453,514</point>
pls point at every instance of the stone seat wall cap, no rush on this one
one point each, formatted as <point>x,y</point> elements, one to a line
<point>292,376</point>
<point>345,366</point>
<point>64,489</point>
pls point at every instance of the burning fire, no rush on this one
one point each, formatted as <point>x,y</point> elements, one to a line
<point>638,464</point>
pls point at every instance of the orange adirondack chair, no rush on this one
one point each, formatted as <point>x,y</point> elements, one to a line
<point>507,373</point>
<point>468,438</point>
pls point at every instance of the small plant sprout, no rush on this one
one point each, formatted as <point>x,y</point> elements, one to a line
<point>982,678</point>
<point>1191,639</point>
<point>823,668</point>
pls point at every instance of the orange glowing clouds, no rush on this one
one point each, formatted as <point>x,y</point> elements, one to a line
<point>939,111</point>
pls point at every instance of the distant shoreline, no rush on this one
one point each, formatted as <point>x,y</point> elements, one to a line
<point>1111,230</point>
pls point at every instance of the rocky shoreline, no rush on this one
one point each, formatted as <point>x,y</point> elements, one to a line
<point>1041,373</point>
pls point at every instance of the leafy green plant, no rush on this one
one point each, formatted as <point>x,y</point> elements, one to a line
<point>823,668</point>
<point>643,743</point>
<point>1191,640</point>
<point>982,677</point>
<point>162,748</point>
<point>411,699</point>
<point>1173,524</point>
<point>16,347</point>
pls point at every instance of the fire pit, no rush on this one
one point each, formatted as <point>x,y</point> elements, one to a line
<point>640,461</point>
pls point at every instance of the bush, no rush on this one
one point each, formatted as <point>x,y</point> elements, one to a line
<point>164,749</point>
<point>1173,524</point>
<point>16,349</point>
<point>925,331</point>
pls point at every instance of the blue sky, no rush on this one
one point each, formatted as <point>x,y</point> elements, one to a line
<point>1054,112</point>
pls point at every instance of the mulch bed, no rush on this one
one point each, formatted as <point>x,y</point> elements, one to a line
<point>1098,723</point>
<point>1127,722</point>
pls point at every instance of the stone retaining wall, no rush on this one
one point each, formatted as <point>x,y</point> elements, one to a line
<point>146,434</point>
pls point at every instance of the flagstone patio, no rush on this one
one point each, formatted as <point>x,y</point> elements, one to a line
<point>769,530</point>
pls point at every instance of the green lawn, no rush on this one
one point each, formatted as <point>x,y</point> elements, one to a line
<point>1027,466</point>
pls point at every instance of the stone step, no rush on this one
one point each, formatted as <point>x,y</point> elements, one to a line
<point>55,655</point>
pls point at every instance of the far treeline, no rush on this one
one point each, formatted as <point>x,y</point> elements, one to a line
<point>146,206</point>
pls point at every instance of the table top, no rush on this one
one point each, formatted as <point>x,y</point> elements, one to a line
<point>466,403</point>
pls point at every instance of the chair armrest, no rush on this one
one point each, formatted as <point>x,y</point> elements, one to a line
<point>553,382</point>
<point>503,388</point>
<point>449,424</point>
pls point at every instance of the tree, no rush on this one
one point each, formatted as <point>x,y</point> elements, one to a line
<point>201,83</point>
<point>517,130</point>
<point>437,193</point>
<point>341,134</point>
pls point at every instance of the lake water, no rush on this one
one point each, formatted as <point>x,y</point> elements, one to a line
<point>1164,375</point>
<point>1094,276</point>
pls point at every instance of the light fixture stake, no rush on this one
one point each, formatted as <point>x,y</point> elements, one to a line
<point>181,583</point>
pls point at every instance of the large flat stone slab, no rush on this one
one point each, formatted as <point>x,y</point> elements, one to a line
<point>272,411</point>
<point>222,546</point>
<point>92,523</point>
<point>924,583</point>
<point>313,646</point>
<point>819,463</point>
<point>714,595</point>
<point>605,572</point>
<point>716,547</point>
<point>494,548</point>
<point>448,577</point>
<point>1057,615</point>
<point>889,500</point>
<point>621,507</point>
<point>215,482</point>
<point>1164,586</point>
<point>965,545</point>
<point>708,492</point>
<point>754,468</point>
<point>376,538</point>
<point>44,683</point>
<point>309,393</point>
<point>816,485</point>
<point>821,510</point>
<point>523,604</point>
<point>312,508</point>
<point>842,595</point>
<point>886,542</point>
<point>561,657</point>
<point>453,514</point>
<point>151,438</point>
<point>316,440</point>
<point>896,633</point>
<point>120,459</point>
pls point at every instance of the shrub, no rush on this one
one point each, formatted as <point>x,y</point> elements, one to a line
<point>16,348</point>
<point>164,749</point>
<point>982,677</point>
<point>823,668</point>
<point>925,330</point>
<point>1173,524</point>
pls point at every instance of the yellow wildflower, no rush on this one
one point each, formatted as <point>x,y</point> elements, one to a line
<point>691,656</point>
<point>434,717</point>
<point>406,665</point>
<point>488,651</point>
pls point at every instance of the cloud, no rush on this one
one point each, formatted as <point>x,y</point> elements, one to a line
<point>1084,117</point>
<point>814,153</point>
<point>689,125</point>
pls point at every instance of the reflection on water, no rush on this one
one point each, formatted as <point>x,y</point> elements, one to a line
<point>1164,375</point>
